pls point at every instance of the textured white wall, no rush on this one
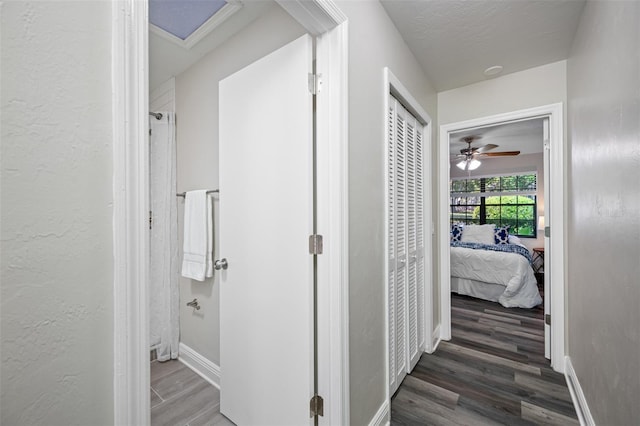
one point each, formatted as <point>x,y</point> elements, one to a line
<point>197,166</point>
<point>604,210</point>
<point>534,87</point>
<point>374,43</point>
<point>56,226</point>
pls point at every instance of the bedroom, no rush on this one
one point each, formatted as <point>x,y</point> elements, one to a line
<point>505,162</point>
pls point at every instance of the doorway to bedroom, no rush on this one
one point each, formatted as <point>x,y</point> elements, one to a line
<point>496,200</point>
<point>500,189</point>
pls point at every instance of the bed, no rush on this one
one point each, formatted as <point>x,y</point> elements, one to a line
<point>496,272</point>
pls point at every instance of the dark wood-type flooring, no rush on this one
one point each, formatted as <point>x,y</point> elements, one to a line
<point>180,397</point>
<point>493,371</point>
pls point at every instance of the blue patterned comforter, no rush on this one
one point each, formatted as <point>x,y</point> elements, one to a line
<point>507,248</point>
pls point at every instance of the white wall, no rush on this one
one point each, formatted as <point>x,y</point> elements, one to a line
<point>197,155</point>
<point>604,210</point>
<point>534,87</point>
<point>56,208</point>
<point>520,163</point>
<point>374,43</point>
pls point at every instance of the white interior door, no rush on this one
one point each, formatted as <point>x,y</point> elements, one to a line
<point>547,256</point>
<point>266,212</point>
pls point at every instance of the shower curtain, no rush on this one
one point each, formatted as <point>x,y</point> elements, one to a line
<point>164,296</point>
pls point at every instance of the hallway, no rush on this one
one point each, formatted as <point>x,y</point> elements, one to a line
<point>492,371</point>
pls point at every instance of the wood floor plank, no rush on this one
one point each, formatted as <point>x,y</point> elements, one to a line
<point>490,358</point>
<point>543,416</point>
<point>211,417</point>
<point>492,371</point>
<point>540,385</point>
<point>184,407</point>
<point>176,382</point>
<point>524,320</point>
<point>501,318</point>
<point>487,340</point>
<point>524,334</point>
<point>180,396</point>
<point>441,395</point>
<point>160,369</point>
<point>155,398</point>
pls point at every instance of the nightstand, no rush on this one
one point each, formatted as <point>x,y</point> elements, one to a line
<point>537,263</point>
<point>537,260</point>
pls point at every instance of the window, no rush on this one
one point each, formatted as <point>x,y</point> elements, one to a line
<point>507,200</point>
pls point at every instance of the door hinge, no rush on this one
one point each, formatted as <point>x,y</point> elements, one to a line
<point>315,244</point>
<point>547,319</point>
<point>547,231</point>
<point>316,406</point>
<point>150,219</point>
<point>315,83</point>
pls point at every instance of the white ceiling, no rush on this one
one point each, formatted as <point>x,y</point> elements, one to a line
<point>523,136</point>
<point>456,40</point>
<point>453,40</point>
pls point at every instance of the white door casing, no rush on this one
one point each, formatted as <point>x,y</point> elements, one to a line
<point>554,220</point>
<point>321,18</point>
<point>546,260</point>
<point>266,217</point>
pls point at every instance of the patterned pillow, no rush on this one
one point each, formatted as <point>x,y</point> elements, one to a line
<point>456,232</point>
<point>501,235</point>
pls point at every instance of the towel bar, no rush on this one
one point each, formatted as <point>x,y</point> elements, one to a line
<point>184,194</point>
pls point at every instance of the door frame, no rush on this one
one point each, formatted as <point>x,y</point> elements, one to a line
<point>554,217</point>
<point>130,100</point>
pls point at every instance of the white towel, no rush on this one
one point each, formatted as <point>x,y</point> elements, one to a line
<point>197,261</point>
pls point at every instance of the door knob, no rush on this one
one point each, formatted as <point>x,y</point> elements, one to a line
<point>220,264</point>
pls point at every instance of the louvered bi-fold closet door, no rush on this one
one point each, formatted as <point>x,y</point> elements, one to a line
<point>397,245</point>
<point>405,226</point>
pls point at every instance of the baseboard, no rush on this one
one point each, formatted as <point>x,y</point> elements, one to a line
<point>382,416</point>
<point>435,339</point>
<point>577,396</point>
<point>201,365</point>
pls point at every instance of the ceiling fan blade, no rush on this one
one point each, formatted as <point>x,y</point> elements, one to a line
<point>500,154</point>
<point>487,147</point>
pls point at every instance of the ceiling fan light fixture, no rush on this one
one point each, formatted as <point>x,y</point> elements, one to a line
<point>474,164</point>
<point>468,164</point>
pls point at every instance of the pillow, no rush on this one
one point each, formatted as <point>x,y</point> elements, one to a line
<point>456,232</point>
<point>501,235</point>
<point>515,240</point>
<point>483,234</point>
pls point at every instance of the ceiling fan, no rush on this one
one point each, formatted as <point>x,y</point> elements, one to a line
<point>469,156</point>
